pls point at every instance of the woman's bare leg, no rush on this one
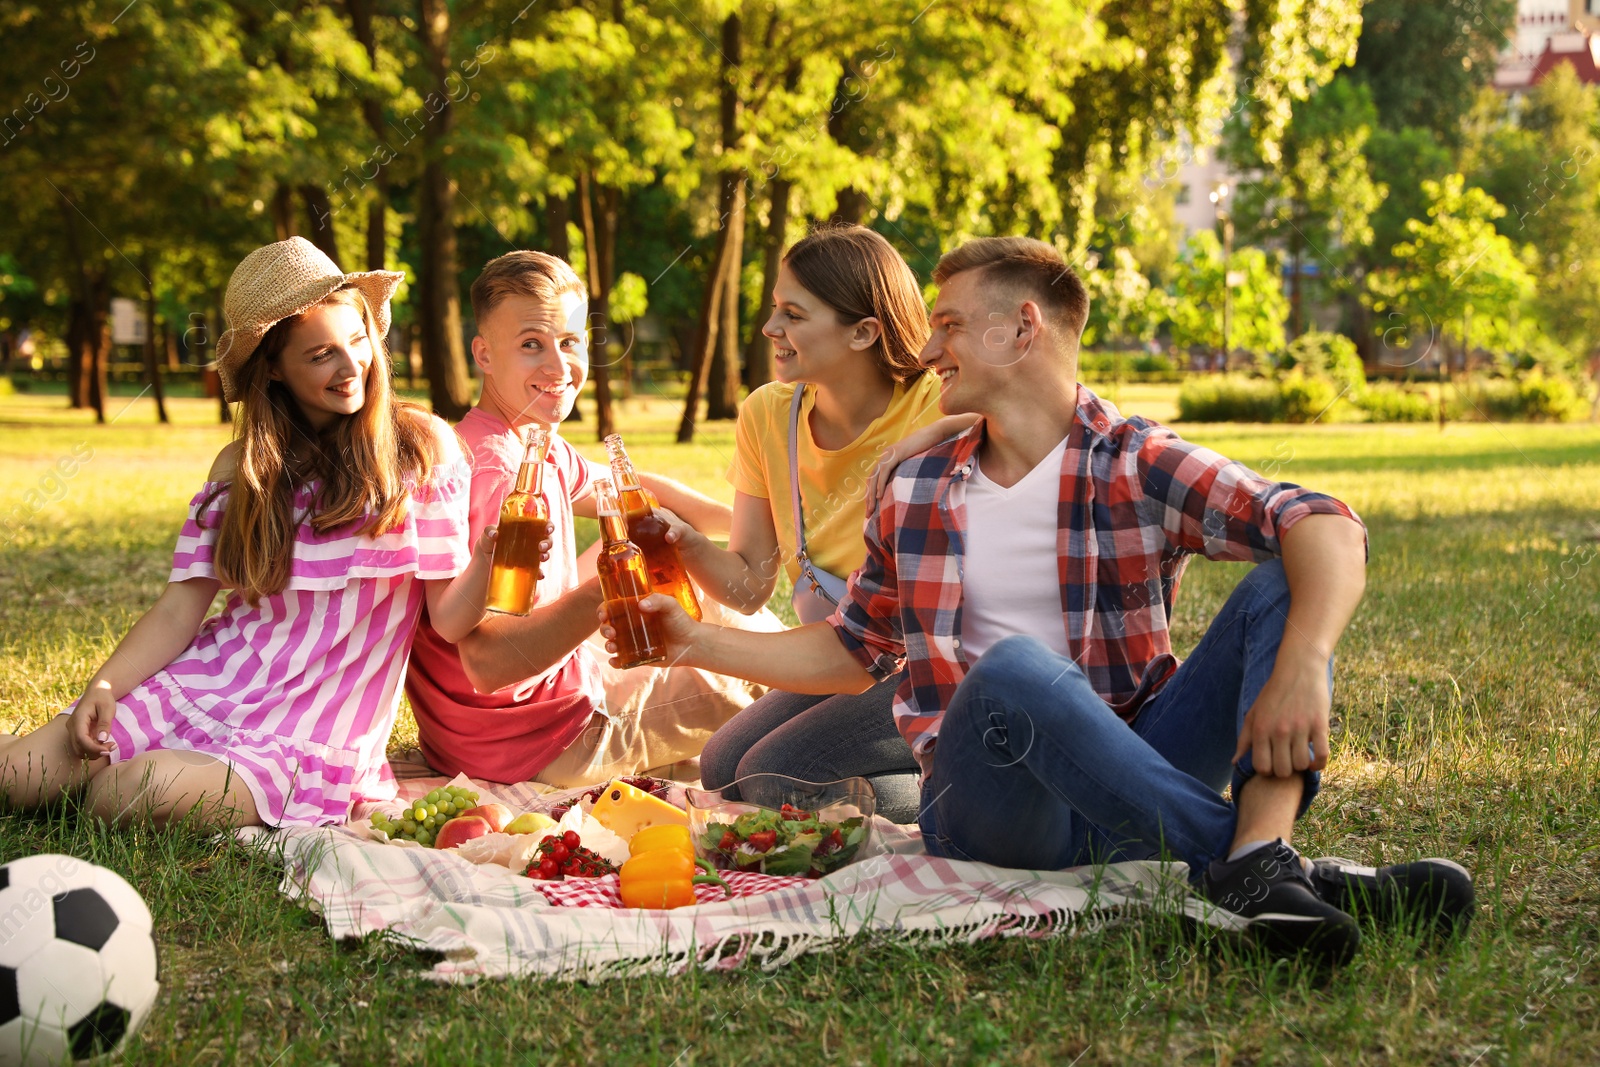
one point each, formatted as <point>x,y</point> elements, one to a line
<point>37,768</point>
<point>166,786</point>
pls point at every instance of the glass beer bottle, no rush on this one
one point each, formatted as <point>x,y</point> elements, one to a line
<point>649,531</point>
<point>624,580</point>
<point>524,522</point>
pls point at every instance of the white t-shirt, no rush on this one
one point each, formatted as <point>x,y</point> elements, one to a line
<point>1009,583</point>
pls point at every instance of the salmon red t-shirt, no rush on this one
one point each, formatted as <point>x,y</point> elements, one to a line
<point>512,734</point>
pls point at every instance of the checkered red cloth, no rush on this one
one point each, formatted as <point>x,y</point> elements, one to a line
<point>605,892</point>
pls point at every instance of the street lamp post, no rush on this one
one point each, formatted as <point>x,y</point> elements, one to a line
<point>1219,199</point>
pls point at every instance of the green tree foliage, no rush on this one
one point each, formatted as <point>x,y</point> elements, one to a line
<point>1423,61</point>
<point>1317,198</point>
<point>1545,168</point>
<point>1456,280</point>
<point>685,145</point>
<point>1123,306</point>
<point>1259,306</point>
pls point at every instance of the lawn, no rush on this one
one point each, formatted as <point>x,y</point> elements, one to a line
<point>1467,725</point>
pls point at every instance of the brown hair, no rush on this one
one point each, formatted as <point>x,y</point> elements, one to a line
<point>523,273</point>
<point>859,275</point>
<point>1024,265</point>
<point>361,461</point>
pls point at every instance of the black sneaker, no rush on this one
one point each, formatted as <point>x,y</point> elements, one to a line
<point>1271,888</point>
<point>1434,891</point>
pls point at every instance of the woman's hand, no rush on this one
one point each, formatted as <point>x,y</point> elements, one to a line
<point>916,441</point>
<point>679,532</point>
<point>89,732</point>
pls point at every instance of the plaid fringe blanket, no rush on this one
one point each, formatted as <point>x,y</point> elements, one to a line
<point>491,922</point>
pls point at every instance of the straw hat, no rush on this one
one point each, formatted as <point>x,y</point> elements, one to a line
<point>279,281</point>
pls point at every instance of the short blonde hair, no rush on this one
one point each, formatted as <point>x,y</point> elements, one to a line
<point>523,273</point>
<point>1022,264</point>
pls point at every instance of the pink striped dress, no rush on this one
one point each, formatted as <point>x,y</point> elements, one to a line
<point>299,693</point>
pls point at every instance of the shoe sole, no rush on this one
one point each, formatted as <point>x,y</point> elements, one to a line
<point>1304,937</point>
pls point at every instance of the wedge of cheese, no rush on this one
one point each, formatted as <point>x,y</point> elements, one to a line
<point>625,810</point>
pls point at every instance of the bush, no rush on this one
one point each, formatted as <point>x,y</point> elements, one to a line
<point>1307,399</point>
<point>1136,366</point>
<point>1330,356</point>
<point>1229,398</point>
<point>1391,403</point>
<point>1534,398</point>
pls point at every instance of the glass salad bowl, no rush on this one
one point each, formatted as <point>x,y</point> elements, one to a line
<point>775,824</point>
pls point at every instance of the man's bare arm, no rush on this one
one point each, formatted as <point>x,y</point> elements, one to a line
<point>507,649</point>
<point>809,659</point>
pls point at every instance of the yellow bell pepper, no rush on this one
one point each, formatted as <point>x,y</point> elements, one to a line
<point>664,878</point>
<point>654,837</point>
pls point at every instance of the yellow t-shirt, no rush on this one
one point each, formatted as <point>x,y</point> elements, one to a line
<point>832,484</point>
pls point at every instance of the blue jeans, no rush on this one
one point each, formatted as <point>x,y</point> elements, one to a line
<point>1032,768</point>
<point>819,739</point>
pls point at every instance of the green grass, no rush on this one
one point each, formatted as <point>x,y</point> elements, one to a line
<point>1467,725</point>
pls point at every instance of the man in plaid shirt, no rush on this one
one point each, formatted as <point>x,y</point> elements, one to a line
<point>1024,574</point>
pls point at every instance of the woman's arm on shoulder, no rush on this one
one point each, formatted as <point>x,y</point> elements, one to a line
<point>919,440</point>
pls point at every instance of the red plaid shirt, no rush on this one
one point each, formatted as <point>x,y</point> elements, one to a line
<point>1136,502</point>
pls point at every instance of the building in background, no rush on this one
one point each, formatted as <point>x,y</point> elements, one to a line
<point>1550,33</point>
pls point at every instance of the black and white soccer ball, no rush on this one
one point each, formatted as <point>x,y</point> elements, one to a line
<point>77,962</point>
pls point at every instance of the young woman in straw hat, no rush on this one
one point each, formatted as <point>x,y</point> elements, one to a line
<point>332,518</point>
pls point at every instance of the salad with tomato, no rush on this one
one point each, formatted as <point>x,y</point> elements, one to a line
<point>789,841</point>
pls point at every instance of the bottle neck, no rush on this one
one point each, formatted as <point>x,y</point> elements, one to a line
<point>614,529</point>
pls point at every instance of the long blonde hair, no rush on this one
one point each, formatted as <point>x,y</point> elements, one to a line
<point>362,465</point>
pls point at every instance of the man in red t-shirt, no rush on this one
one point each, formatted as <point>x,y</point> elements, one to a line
<point>531,697</point>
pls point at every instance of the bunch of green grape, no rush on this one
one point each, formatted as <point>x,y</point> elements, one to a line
<point>422,819</point>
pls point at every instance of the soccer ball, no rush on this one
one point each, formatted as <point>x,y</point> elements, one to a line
<point>77,963</point>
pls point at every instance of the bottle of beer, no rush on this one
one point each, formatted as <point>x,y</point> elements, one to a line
<point>524,522</point>
<point>624,580</point>
<point>649,531</point>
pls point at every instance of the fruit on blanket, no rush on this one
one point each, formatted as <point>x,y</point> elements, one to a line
<point>529,822</point>
<point>422,818</point>
<point>498,816</point>
<point>625,810</point>
<point>461,828</point>
<point>564,857</point>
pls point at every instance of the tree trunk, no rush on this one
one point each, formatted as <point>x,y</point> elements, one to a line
<point>1295,320</point>
<point>705,340</point>
<point>597,205</point>
<point>99,349</point>
<point>852,206</point>
<point>372,111</point>
<point>377,223</point>
<point>283,213</point>
<point>850,203</point>
<point>212,336</point>
<point>152,369</point>
<point>758,353</point>
<point>723,401</point>
<point>557,213</point>
<point>730,239</point>
<point>77,369</point>
<point>169,342</point>
<point>439,303</point>
<point>319,213</point>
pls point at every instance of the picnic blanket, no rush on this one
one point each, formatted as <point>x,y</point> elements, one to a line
<point>490,922</point>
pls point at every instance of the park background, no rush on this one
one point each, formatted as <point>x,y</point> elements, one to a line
<point>1348,244</point>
